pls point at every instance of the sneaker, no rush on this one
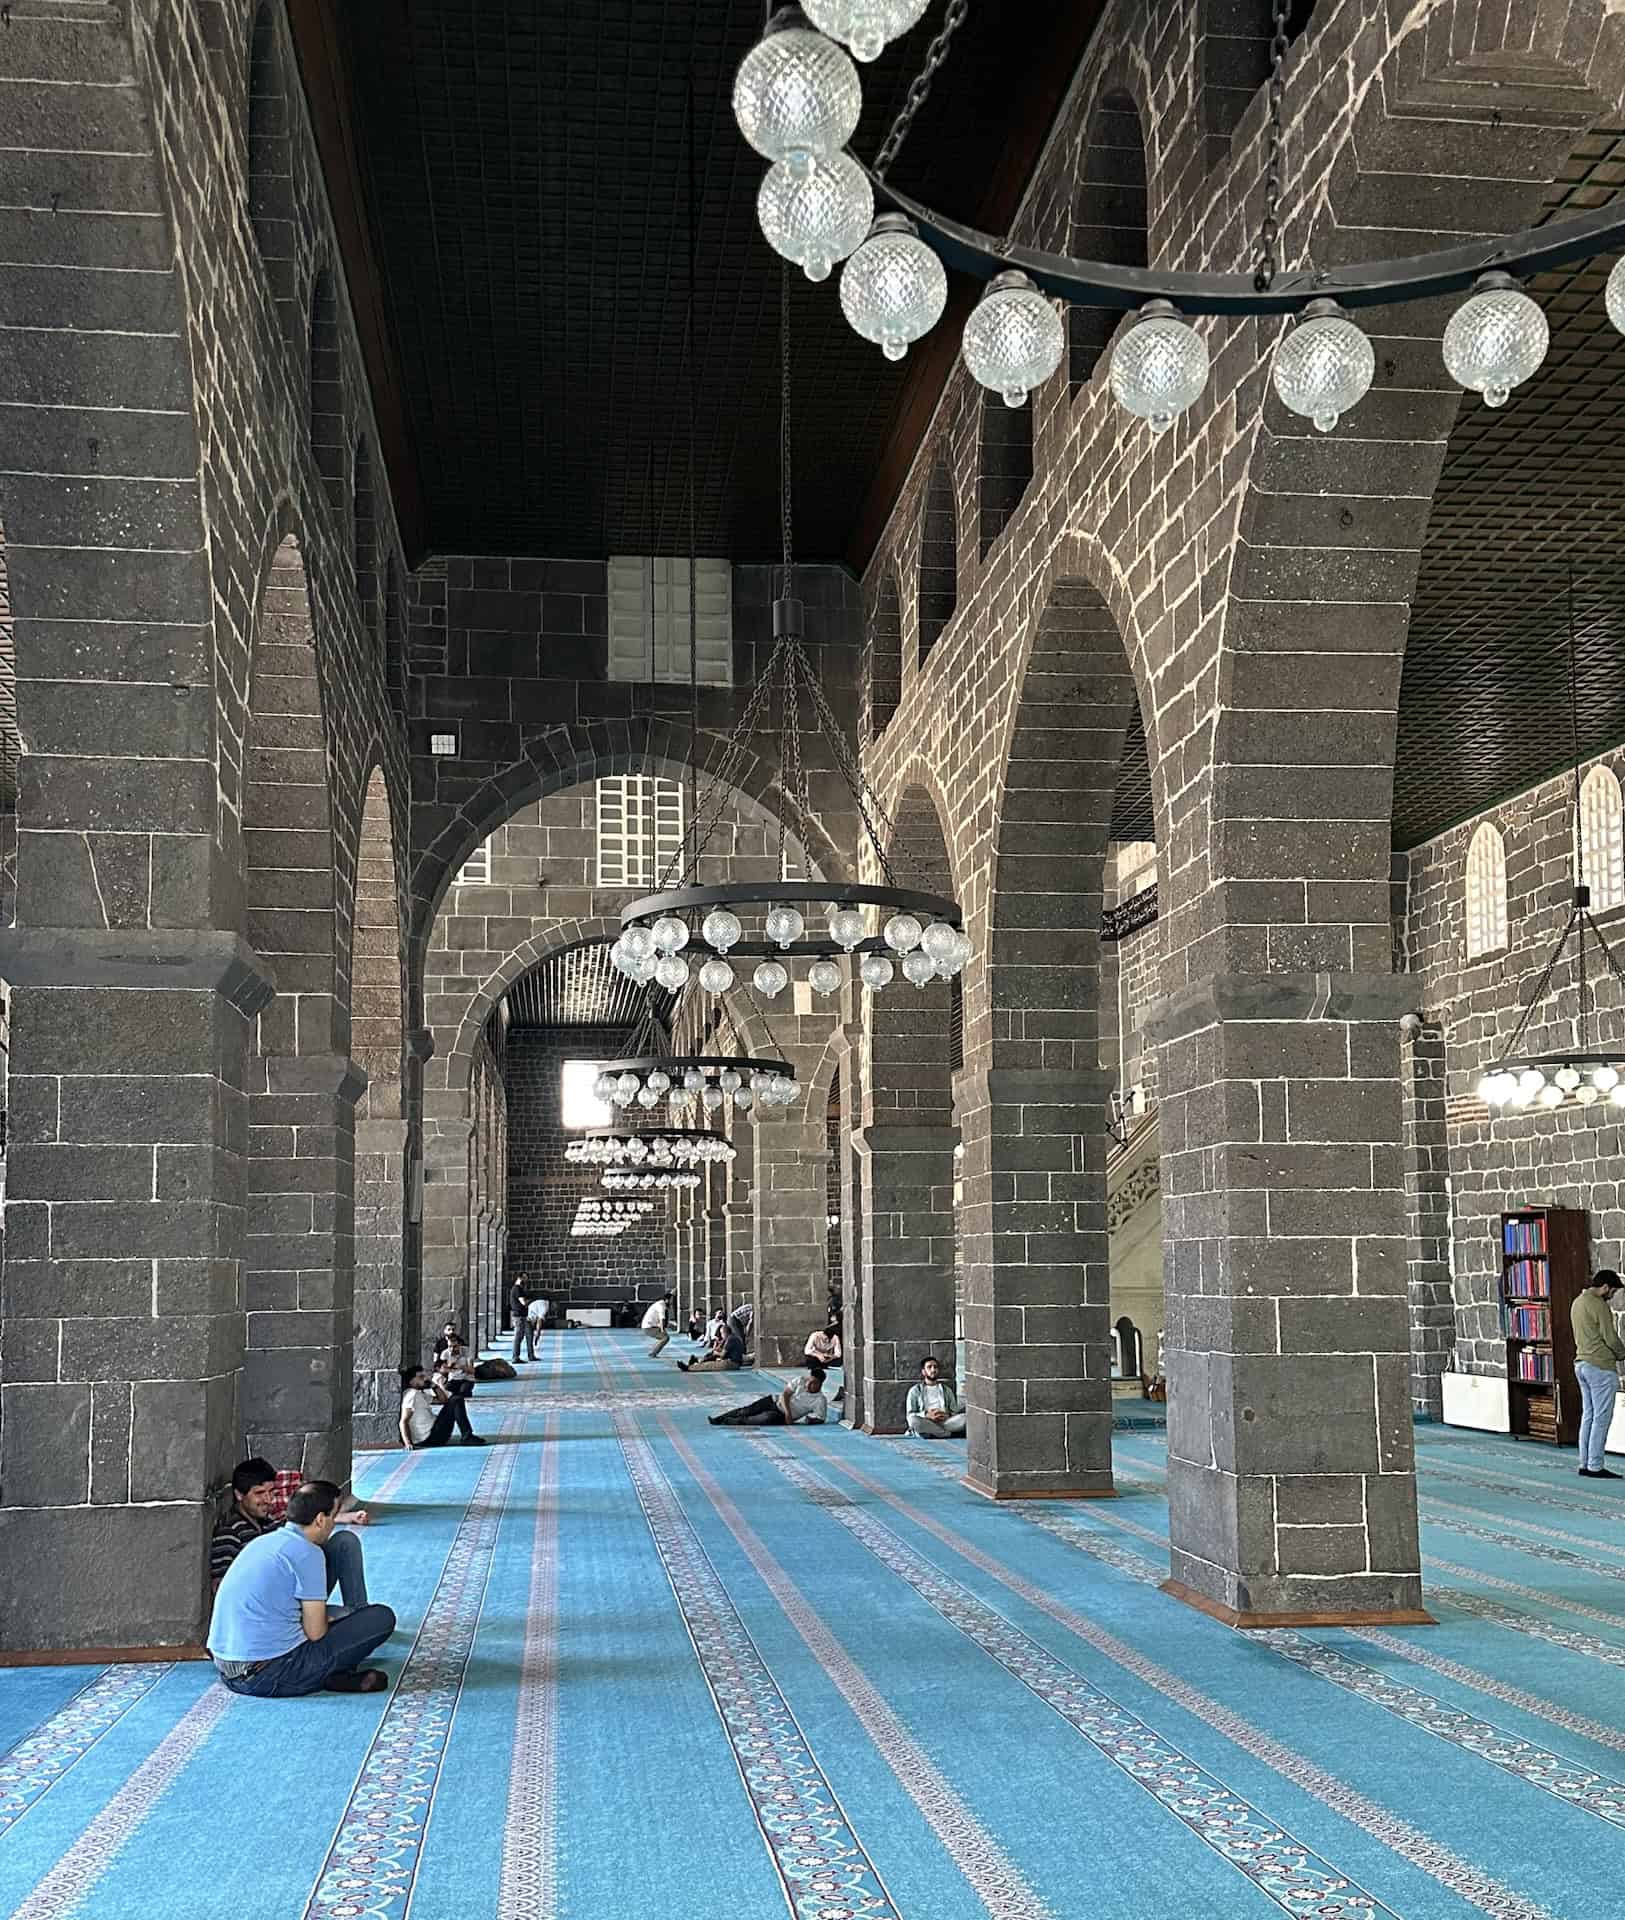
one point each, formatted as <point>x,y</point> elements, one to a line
<point>356,1680</point>
<point>684,1365</point>
<point>473,1439</point>
<point>1604,1473</point>
<point>1589,1473</point>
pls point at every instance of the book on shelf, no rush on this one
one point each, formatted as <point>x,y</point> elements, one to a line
<point>1545,1261</point>
<point>1524,1233</point>
<point>1529,1323</point>
<point>1529,1277</point>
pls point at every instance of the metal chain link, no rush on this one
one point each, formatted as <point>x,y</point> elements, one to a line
<point>1269,230</point>
<point>920,86</point>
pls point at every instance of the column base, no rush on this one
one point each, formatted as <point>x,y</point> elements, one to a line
<point>1106,1492</point>
<point>1247,1619</point>
<point>881,1433</point>
<point>99,1656</point>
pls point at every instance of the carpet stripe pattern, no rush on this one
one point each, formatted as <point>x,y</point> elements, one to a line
<point>645,1663</point>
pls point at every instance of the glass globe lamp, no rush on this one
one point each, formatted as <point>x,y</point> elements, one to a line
<point>942,943</point>
<point>671,971</point>
<point>604,1086</point>
<point>628,1086</point>
<point>769,979</point>
<point>1586,1094</point>
<point>760,1082</point>
<point>658,1080</point>
<point>721,929</point>
<point>743,1099</point>
<point>796,95</point>
<point>641,970</point>
<point>1159,367</point>
<point>713,1097</point>
<point>864,25</point>
<point>1616,1095</point>
<point>1323,366</point>
<point>1551,1096</point>
<point>693,1080</point>
<point>670,934</point>
<point>1568,1078</point>
<point>919,967</point>
<point>1014,339</point>
<point>818,219</point>
<point>824,976</point>
<point>876,971</point>
<point>1605,1079</point>
<point>648,1098</point>
<point>1613,296</point>
<point>1495,339</point>
<point>846,927</point>
<point>894,288</point>
<point>638,943</point>
<point>783,926</point>
<point>716,976</point>
<point>902,933</point>
<point>729,1080</point>
<point>1530,1081</point>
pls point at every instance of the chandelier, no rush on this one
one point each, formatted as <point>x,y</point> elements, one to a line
<point>686,1081</point>
<point>627,1180</point>
<point>604,1219</point>
<point>877,928</point>
<point>1580,1076</point>
<point>797,100</point>
<point>658,1148</point>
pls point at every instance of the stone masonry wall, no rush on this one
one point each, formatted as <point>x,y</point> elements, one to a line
<point>1570,1158</point>
<point>544,1191</point>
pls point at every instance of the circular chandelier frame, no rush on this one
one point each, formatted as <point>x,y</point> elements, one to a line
<point>646,1063</point>
<point>789,893</point>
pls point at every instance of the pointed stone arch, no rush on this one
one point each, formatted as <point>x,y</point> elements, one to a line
<point>299,1245</point>
<point>384,1325</point>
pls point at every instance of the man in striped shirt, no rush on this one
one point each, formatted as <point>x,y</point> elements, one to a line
<point>259,1504</point>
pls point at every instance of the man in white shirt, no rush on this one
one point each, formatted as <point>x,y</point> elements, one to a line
<point>535,1320</point>
<point>654,1325</point>
<point>934,1412</point>
<point>428,1412</point>
<point>802,1403</point>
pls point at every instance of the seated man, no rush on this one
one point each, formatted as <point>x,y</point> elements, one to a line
<point>934,1412</point>
<point>259,1501</point>
<point>454,1369</point>
<point>428,1412</point>
<point>654,1325</point>
<point>801,1401</point>
<point>727,1356</point>
<point>271,1634</point>
<point>825,1347</point>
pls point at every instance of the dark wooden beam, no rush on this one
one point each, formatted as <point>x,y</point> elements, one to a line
<point>318,42</point>
<point>1054,65</point>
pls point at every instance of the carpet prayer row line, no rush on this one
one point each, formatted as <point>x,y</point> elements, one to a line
<point>647,1664</point>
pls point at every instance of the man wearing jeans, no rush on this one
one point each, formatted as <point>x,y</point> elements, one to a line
<point>271,1635</point>
<point>1598,1352</point>
<point>258,1505</point>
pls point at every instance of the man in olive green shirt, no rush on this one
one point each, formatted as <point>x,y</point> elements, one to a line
<point>1598,1355</point>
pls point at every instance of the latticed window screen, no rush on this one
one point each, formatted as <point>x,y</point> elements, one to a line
<point>1486,892</point>
<point>640,830</point>
<point>476,869</point>
<point>1602,839</point>
<point>648,620</point>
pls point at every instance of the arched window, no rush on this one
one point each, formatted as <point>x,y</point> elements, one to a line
<point>1486,892</point>
<point>1108,220</point>
<point>939,559</point>
<point>1602,839</point>
<point>883,683</point>
<point>1004,466</point>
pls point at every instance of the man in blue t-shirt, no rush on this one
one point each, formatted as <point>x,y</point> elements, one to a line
<point>271,1635</point>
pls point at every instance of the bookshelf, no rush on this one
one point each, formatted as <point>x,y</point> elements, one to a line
<point>1545,1261</point>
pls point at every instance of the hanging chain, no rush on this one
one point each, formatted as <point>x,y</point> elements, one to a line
<point>784,422</point>
<point>920,86</point>
<point>1269,231</point>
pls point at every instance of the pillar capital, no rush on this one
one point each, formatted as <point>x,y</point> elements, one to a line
<point>196,960</point>
<point>1279,996</point>
<point>334,1075</point>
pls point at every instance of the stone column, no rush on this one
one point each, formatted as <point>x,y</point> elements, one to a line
<point>1427,1213</point>
<point>380,1296</point>
<point>854,1298</point>
<point>1037,1283</point>
<point>298,1365</point>
<point>123,1308</point>
<point>445,1227</point>
<point>718,1277</point>
<point>1291,1482</point>
<point>907,1175</point>
<point>739,1213</point>
<point>790,1232</point>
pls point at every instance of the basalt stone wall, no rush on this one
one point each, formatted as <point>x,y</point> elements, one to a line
<point>1570,1158</point>
<point>545,1191</point>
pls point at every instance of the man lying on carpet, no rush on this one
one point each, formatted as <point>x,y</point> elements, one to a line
<point>259,1504</point>
<point>934,1412</point>
<point>429,1412</point>
<point>727,1354</point>
<point>271,1635</point>
<point>801,1403</point>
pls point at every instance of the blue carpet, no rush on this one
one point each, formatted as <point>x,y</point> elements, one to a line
<point>648,1666</point>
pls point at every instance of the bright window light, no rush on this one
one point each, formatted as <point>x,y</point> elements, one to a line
<point>581,1109</point>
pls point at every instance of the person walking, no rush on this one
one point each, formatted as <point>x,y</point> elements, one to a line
<point>517,1301</point>
<point>1598,1354</point>
<point>655,1326</point>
